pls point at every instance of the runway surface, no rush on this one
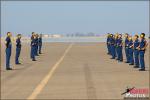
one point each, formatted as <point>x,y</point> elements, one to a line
<point>69,71</point>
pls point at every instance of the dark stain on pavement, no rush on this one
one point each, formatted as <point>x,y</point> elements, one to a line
<point>91,92</point>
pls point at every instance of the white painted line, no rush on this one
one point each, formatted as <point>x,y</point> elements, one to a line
<point>42,84</point>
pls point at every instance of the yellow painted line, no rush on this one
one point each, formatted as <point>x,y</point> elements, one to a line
<point>42,84</point>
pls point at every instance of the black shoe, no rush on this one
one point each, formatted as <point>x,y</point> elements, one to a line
<point>18,63</point>
<point>131,64</point>
<point>112,58</point>
<point>40,53</point>
<point>141,69</point>
<point>121,60</point>
<point>8,68</point>
<point>126,62</point>
<point>136,66</point>
<point>33,60</point>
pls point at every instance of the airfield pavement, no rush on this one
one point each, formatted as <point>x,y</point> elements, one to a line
<point>69,71</point>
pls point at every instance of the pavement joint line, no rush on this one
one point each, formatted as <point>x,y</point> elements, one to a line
<point>43,83</point>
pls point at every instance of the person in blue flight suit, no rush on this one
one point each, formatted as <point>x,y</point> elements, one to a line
<point>37,44</point>
<point>108,43</point>
<point>8,50</point>
<point>136,51</point>
<point>40,43</point>
<point>119,48</point>
<point>116,47</point>
<point>18,48</point>
<point>32,37</point>
<point>131,60</point>
<point>127,47</point>
<point>33,47</point>
<point>142,47</point>
<point>112,42</point>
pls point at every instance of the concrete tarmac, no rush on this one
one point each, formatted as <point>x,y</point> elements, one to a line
<point>69,71</point>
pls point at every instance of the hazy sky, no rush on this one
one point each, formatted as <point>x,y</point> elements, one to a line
<point>74,16</point>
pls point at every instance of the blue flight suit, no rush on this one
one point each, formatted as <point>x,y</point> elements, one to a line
<point>136,53</point>
<point>18,50</point>
<point>33,48</point>
<point>108,45</point>
<point>112,42</point>
<point>36,48</point>
<point>116,48</point>
<point>127,50</point>
<point>8,52</point>
<point>40,45</point>
<point>141,53</point>
<point>119,49</point>
<point>131,52</point>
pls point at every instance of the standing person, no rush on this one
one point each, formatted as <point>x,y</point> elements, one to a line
<point>108,43</point>
<point>40,43</point>
<point>37,44</point>
<point>136,51</point>
<point>116,46</point>
<point>32,37</point>
<point>112,42</point>
<point>33,48</point>
<point>18,48</point>
<point>8,50</point>
<point>127,47</point>
<point>142,47</point>
<point>119,48</point>
<point>131,61</point>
